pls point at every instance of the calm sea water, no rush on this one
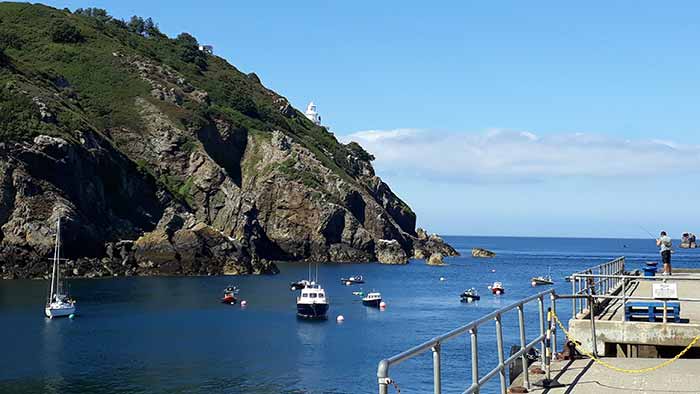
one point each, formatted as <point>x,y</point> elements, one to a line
<point>171,335</point>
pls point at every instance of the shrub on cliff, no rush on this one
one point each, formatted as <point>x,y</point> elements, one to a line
<point>66,33</point>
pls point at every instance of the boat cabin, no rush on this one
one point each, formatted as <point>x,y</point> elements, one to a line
<point>312,293</point>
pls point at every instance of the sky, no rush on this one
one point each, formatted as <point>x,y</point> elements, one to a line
<point>489,118</point>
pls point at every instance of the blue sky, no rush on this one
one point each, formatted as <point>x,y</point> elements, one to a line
<point>493,118</point>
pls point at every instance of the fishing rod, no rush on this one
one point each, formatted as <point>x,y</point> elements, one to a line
<point>647,231</point>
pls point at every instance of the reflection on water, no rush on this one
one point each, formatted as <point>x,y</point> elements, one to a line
<point>172,335</point>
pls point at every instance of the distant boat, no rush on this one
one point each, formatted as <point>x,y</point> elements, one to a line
<point>542,280</point>
<point>469,295</point>
<point>373,299</point>
<point>298,285</point>
<point>353,280</point>
<point>358,293</point>
<point>497,288</point>
<point>58,303</point>
<point>230,295</point>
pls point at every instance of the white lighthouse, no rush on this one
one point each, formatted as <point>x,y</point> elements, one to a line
<point>312,114</point>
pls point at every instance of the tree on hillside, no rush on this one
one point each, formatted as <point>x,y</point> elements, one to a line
<point>62,31</point>
<point>137,24</point>
<point>98,13</point>
<point>189,51</point>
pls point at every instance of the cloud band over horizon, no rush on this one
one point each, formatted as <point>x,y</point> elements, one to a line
<point>513,157</point>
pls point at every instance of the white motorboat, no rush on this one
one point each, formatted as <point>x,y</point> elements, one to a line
<point>312,302</point>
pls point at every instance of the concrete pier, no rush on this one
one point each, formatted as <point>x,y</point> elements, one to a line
<point>616,337</point>
<point>586,377</point>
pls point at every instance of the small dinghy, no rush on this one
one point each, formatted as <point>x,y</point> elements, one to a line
<point>373,299</point>
<point>497,288</point>
<point>470,295</point>
<point>353,280</point>
<point>230,295</point>
<point>542,280</point>
<point>294,286</point>
<point>358,293</point>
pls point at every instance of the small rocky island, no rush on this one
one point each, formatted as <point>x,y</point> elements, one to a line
<point>163,159</point>
<point>482,253</point>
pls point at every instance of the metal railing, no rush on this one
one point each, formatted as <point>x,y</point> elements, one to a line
<point>434,345</point>
<point>601,279</point>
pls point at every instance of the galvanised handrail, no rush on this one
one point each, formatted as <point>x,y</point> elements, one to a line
<point>434,345</point>
<point>584,282</point>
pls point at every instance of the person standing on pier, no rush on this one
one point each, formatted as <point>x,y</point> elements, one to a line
<point>664,242</point>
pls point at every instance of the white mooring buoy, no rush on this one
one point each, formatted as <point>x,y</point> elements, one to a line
<point>382,305</point>
<point>244,303</point>
<point>340,319</point>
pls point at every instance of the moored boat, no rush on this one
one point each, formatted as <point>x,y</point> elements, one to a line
<point>497,288</point>
<point>298,285</point>
<point>353,280</point>
<point>373,299</point>
<point>312,302</point>
<point>230,295</point>
<point>469,295</point>
<point>542,280</point>
<point>58,302</point>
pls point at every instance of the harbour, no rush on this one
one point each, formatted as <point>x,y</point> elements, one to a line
<point>129,331</point>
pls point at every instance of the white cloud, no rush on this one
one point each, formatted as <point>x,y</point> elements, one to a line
<point>507,156</point>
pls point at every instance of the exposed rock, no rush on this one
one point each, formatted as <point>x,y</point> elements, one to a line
<point>425,245</point>
<point>436,259</point>
<point>390,252</point>
<point>480,252</point>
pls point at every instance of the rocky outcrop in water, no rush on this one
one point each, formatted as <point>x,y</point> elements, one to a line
<point>435,259</point>
<point>482,253</point>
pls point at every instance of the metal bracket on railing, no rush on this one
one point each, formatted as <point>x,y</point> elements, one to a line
<point>384,380</point>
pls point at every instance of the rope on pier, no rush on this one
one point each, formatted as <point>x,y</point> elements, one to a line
<point>618,369</point>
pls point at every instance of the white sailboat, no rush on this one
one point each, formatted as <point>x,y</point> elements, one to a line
<point>58,303</point>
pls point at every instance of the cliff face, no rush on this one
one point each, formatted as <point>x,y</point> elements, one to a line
<point>161,159</point>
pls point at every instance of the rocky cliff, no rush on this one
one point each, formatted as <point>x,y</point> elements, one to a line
<point>161,159</point>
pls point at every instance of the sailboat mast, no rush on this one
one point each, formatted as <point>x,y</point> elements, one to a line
<point>55,259</point>
<point>59,287</point>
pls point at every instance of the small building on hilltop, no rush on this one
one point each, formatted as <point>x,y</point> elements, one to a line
<point>312,114</point>
<point>208,49</point>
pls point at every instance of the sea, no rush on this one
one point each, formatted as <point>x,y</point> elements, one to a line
<point>172,335</point>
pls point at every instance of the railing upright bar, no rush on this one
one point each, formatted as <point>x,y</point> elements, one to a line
<point>499,346</point>
<point>574,301</point>
<point>553,302</point>
<point>437,379</point>
<point>543,349</point>
<point>523,344</point>
<point>475,359</point>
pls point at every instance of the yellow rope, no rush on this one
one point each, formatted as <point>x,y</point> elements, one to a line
<point>618,369</point>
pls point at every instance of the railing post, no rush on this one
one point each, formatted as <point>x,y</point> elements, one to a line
<point>475,359</point>
<point>593,336</point>
<point>553,301</point>
<point>383,377</point>
<point>543,350</point>
<point>624,298</point>
<point>501,359</point>
<point>523,343</point>
<point>437,381</point>
<point>573,300</point>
